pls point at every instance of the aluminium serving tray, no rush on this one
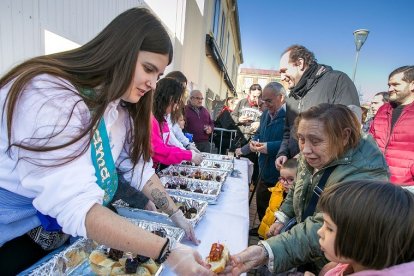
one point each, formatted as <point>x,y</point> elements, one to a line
<point>74,260</point>
<point>200,174</point>
<point>192,188</point>
<point>199,205</point>
<point>217,157</point>
<point>211,164</point>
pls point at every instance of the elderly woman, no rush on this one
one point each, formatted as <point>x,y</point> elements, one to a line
<point>330,144</point>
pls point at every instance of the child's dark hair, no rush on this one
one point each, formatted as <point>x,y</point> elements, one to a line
<point>168,91</point>
<point>290,164</point>
<point>180,77</point>
<point>375,222</point>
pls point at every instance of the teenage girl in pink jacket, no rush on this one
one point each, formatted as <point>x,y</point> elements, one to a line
<point>168,94</point>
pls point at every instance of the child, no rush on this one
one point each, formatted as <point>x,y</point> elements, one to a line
<point>368,225</point>
<point>279,192</point>
<point>181,121</point>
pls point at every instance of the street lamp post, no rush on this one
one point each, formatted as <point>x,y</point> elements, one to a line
<point>360,36</point>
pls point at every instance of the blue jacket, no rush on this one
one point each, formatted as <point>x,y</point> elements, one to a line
<point>271,132</point>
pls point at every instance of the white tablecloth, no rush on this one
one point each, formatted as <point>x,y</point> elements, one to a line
<point>227,221</point>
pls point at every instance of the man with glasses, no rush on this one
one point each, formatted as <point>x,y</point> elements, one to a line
<point>310,84</point>
<point>267,141</point>
<point>198,121</point>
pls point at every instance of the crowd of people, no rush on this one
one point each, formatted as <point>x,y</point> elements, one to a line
<point>88,126</point>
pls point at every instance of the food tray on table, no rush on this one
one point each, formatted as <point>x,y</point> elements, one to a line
<point>211,164</point>
<point>64,262</point>
<point>201,174</point>
<point>218,157</point>
<point>74,260</point>
<point>193,209</point>
<point>192,188</point>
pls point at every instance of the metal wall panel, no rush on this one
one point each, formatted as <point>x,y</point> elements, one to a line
<point>23,22</point>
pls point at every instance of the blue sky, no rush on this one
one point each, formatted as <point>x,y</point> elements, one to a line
<point>326,28</point>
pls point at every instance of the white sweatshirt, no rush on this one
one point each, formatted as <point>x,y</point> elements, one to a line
<point>65,192</point>
<point>173,140</point>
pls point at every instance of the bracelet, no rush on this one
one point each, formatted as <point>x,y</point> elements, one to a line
<point>164,253</point>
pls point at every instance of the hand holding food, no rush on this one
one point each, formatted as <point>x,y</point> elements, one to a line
<point>184,260</point>
<point>251,257</point>
<point>218,257</point>
<point>261,147</point>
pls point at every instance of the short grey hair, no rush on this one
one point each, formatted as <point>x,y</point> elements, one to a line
<point>194,92</point>
<point>276,87</point>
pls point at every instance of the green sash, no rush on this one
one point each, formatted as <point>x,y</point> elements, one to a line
<point>105,170</point>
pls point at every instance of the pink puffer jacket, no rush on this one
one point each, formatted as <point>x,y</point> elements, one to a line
<point>161,151</point>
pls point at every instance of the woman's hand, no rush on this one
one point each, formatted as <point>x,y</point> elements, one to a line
<point>184,260</point>
<point>274,229</point>
<point>179,220</point>
<point>207,129</point>
<point>193,147</point>
<point>154,190</point>
<point>196,158</point>
<point>253,256</point>
<point>280,161</point>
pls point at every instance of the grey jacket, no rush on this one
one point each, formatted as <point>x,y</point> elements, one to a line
<point>330,86</point>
